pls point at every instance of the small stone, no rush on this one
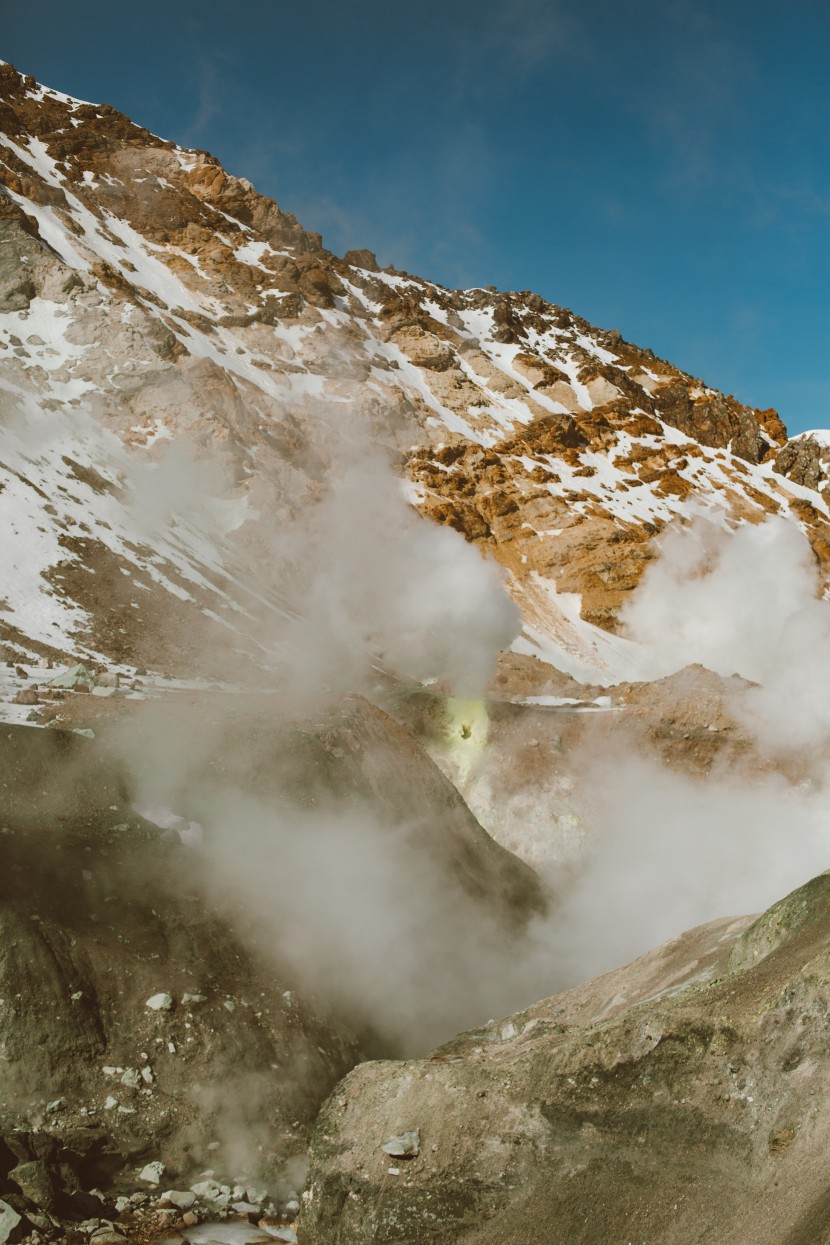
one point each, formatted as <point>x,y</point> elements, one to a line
<point>131,1078</point>
<point>245,1208</point>
<point>404,1145</point>
<point>152,1173</point>
<point>160,1002</point>
<point>183,1198</point>
<point>193,998</point>
<point>147,1075</point>
<point>190,1219</point>
<point>110,1103</point>
<point>210,1190</point>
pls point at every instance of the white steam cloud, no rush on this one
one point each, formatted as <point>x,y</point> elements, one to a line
<point>722,598</point>
<point>669,850</point>
<point>346,588</point>
<point>367,584</point>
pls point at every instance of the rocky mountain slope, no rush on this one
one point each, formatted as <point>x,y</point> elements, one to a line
<point>147,296</point>
<point>677,1099</point>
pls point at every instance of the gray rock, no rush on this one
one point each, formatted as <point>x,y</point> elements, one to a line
<point>152,1173</point>
<point>183,1198</point>
<point>10,1223</point>
<point>161,1002</point>
<point>35,1183</point>
<point>404,1145</point>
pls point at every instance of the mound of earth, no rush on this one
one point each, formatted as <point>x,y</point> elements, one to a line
<point>677,1099</point>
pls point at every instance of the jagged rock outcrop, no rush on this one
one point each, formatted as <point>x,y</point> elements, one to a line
<point>675,1099</point>
<point>804,459</point>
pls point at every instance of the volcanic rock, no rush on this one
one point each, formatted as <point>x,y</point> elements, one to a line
<point>672,1100</point>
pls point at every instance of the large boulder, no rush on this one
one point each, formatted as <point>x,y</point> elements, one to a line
<point>678,1099</point>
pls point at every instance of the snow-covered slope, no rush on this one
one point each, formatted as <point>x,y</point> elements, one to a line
<point>149,298</point>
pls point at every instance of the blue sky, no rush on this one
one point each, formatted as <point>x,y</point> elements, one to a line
<point>659,166</point>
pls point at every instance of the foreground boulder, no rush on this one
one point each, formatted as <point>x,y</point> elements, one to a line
<point>678,1099</point>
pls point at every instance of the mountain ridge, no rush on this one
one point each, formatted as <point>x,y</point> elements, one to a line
<point>170,300</point>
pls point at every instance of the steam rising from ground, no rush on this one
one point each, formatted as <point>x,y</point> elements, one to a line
<point>368,585</point>
<point>356,589</point>
<point>671,850</point>
<point>722,598</point>
<point>358,585</point>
